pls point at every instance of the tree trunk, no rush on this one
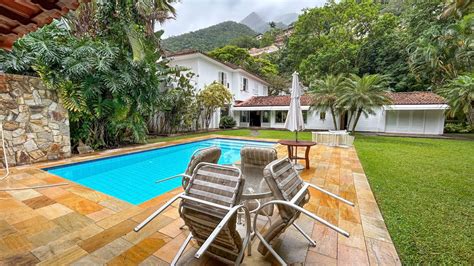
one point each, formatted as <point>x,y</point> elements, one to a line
<point>333,117</point>
<point>350,119</point>
<point>359,112</point>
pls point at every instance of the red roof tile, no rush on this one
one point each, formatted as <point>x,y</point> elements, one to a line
<point>398,98</point>
<point>19,17</point>
<point>416,97</point>
<point>281,100</point>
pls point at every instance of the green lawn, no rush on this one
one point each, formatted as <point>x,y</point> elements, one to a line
<point>424,188</point>
<point>264,134</point>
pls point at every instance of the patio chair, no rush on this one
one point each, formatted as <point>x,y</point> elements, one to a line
<point>253,160</point>
<point>204,155</point>
<point>209,207</point>
<point>291,194</point>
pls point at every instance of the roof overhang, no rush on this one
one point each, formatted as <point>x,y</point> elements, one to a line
<point>266,108</point>
<point>417,107</point>
<point>19,17</point>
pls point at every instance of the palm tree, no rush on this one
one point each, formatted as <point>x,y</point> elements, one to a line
<point>325,93</point>
<point>153,11</point>
<point>456,8</point>
<point>363,94</point>
<point>460,95</point>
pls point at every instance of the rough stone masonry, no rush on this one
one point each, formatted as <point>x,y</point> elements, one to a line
<point>36,125</point>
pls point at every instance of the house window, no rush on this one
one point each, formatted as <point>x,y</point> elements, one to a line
<point>244,116</point>
<point>266,117</point>
<point>223,79</point>
<point>255,90</point>
<point>322,116</point>
<point>305,116</point>
<point>280,116</point>
<point>245,84</point>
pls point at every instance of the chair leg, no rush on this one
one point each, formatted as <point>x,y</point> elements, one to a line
<point>181,249</point>
<point>270,248</point>
<point>311,241</point>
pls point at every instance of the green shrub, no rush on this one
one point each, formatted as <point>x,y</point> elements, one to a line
<point>227,122</point>
<point>458,128</point>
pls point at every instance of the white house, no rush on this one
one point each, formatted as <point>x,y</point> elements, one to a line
<point>409,113</point>
<point>242,84</point>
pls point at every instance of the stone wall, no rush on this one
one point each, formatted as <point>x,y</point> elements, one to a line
<point>36,125</point>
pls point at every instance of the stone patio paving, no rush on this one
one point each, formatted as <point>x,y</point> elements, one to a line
<point>73,224</point>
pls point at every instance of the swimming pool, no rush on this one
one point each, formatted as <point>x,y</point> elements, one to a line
<point>132,177</point>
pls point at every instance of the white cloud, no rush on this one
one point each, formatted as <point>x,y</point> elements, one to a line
<point>196,14</point>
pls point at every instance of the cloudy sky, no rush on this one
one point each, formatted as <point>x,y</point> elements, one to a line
<point>196,14</point>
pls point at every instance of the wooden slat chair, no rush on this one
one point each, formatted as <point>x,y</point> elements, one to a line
<point>291,194</point>
<point>204,155</point>
<point>209,207</point>
<point>253,160</point>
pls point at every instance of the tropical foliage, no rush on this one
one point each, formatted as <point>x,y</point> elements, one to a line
<point>213,96</point>
<point>352,95</point>
<point>102,61</point>
<point>325,93</point>
<point>460,95</point>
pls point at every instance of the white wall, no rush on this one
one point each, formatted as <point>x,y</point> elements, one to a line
<point>406,121</point>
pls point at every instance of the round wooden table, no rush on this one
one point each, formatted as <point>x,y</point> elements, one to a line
<point>293,152</point>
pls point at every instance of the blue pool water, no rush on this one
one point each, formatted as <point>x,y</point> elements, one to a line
<point>132,177</point>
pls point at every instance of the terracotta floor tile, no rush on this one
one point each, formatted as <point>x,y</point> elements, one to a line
<point>73,221</point>
<point>375,228</point>
<point>54,211</point>
<point>141,251</point>
<point>356,238</point>
<point>34,225</point>
<point>381,253</point>
<point>6,229</point>
<point>21,259</point>
<point>351,256</point>
<point>103,238</point>
<point>326,240</point>
<point>79,204</point>
<point>119,217</point>
<point>70,255</point>
<point>168,251</point>
<point>100,215</point>
<point>172,229</point>
<point>24,194</point>
<point>39,202</point>
<point>314,258</point>
<point>155,225</point>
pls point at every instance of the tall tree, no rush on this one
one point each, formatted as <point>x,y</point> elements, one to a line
<point>325,93</point>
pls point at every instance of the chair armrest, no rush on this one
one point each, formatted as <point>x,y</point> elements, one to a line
<point>298,208</point>
<point>221,225</point>
<point>331,194</point>
<point>172,177</point>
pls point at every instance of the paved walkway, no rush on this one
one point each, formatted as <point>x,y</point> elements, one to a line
<point>74,224</point>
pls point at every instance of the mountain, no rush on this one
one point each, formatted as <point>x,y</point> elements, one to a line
<point>286,19</point>
<point>260,25</point>
<point>208,38</point>
<point>255,22</point>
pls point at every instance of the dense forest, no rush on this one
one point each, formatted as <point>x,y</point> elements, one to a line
<point>208,38</point>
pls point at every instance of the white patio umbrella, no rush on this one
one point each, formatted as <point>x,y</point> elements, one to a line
<point>294,120</point>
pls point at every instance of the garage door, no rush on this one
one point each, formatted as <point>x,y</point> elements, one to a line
<point>412,122</point>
